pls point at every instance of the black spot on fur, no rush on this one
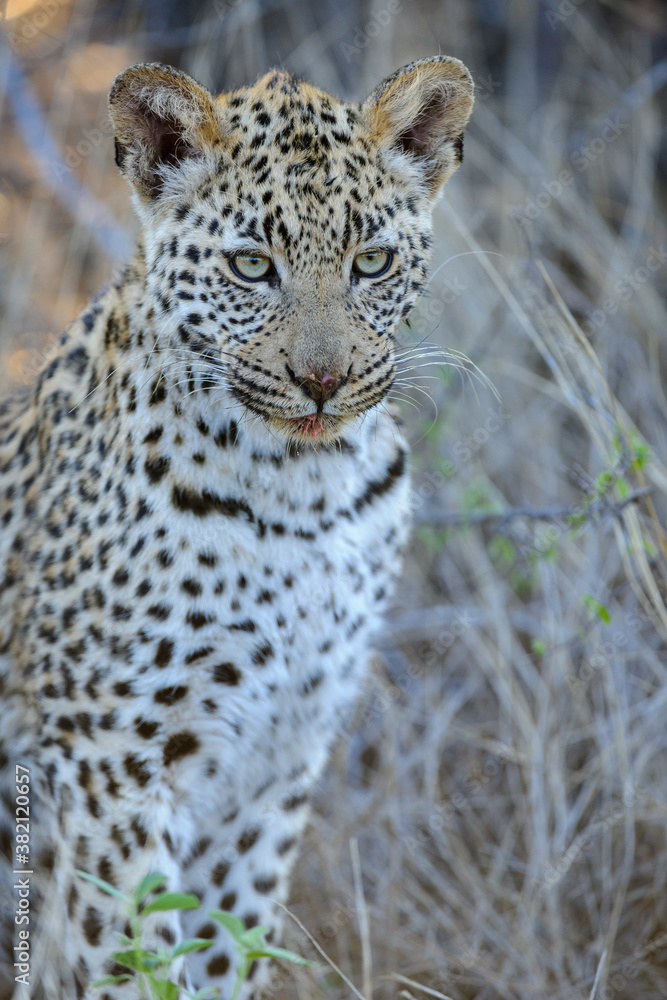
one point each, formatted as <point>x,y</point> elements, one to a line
<point>92,926</point>
<point>179,745</point>
<point>205,503</point>
<point>163,652</point>
<point>156,468</point>
<point>377,488</point>
<point>170,695</point>
<point>247,840</point>
<point>137,769</point>
<point>226,673</point>
<point>218,965</point>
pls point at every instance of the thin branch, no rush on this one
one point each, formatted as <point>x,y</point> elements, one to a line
<point>362,916</point>
<point>596,511</point>
<point>322,952</point>
<point>417,986</point>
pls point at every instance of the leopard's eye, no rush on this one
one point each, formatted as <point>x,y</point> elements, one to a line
<point>373,263</point>
<point>251,266</point>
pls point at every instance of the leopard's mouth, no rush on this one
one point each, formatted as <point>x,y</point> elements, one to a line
<point>314,428</point>
<point>312,425</point>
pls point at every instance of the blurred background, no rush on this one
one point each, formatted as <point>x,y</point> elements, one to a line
<point>505,780</point>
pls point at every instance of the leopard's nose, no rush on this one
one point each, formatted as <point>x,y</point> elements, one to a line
<point>320,386</point>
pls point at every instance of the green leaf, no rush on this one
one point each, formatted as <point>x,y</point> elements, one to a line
<point>286,956</point>
<point>604,481</point>
<point>539,647</point>
<point>502,550</point>
<point>595,607</point>
<point>649,548</point>
<point>171,901</point>
<point>101,884</point>
<point>433,539</point>
<point>476,497</point>
<point>164,989</point>
<point>253,937</point>
<point>231,923</point>
<point>141,961</point>
<point>253,945</point>
<point>147,885</point>
<point>642,453</point>
<point>521,583</point>
<point>192,944</point>
<point>110,980</point>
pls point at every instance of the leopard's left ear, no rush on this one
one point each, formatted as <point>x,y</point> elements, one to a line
<point>163,120</point>
<point>422,110</point>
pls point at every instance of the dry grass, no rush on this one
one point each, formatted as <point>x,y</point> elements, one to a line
<point>505,782</point>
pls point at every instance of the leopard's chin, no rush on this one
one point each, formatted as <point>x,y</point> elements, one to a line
<point>315,429</point>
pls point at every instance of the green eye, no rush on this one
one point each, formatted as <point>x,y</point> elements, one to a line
<point>373,263</point>
<point>251,266</point>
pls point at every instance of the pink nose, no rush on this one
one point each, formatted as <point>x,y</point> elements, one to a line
<point>320,387</point>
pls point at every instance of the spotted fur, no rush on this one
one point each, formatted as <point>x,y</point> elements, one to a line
<point>203,504</point>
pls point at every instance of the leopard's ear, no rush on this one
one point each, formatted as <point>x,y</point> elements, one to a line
<point>161,118</point>
<point>422,111</point>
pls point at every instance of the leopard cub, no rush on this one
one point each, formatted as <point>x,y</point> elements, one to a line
<point>203,505</point>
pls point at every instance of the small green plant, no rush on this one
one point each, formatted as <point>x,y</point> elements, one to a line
<point>477,498</point>
<point>250,945</point>
<point>503,551</point>
<point>434,540</point>
<point>596,609</point>
<point>151,966</point>
<point>629,448</point>
<point>539,647</point>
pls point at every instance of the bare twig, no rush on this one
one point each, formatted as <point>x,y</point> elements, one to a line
<point>362,916</point>
<point>322,952</point>
<point>596,511</point>
<point>598,975</point>
<point>417,986</point>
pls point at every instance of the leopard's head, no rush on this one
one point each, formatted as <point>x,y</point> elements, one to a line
<point>286,233</point>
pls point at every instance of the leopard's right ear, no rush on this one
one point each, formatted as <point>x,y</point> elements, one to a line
<point>421,113</point>
<point>162,119</point>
